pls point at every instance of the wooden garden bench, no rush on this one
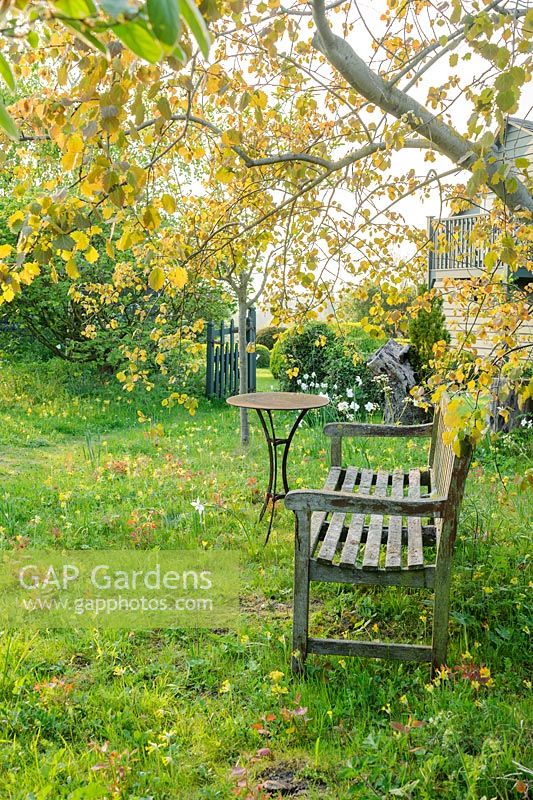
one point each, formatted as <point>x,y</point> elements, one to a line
<point>381,528</point>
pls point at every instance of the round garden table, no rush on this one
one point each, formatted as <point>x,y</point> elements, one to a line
<point>266,403</point>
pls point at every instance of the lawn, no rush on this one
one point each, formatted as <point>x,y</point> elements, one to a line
<point>201,714</point>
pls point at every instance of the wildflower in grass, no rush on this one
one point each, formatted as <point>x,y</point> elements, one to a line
<point>224,687</point>
<point>276,676</point>
<point>343,406</point>
<point>354,406</point>
<point>199,507</point>
<point>349,393</point>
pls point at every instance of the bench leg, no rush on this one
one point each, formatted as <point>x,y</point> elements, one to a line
<point>300,623</point>
<point>441,603</point>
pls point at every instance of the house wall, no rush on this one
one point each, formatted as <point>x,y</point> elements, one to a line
<point>457,325</point>
<point>519,144</point>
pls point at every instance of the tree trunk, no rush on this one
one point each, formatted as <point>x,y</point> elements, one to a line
<point>392,361</point>
<point>243,365</point>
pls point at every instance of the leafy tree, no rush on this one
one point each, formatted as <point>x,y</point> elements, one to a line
<point>293,140</point>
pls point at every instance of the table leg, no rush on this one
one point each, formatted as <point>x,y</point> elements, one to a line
<point>288,441</point>
<point>272,459</point>
<point>273,443</point>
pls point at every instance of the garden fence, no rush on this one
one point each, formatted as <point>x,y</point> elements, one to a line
<point>222,367</point>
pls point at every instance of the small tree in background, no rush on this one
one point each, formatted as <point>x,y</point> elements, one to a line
<point>426,328</point>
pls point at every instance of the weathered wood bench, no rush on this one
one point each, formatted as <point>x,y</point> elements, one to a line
<point>383,528</point>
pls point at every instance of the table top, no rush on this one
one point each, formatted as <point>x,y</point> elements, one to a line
<point>278,401</point>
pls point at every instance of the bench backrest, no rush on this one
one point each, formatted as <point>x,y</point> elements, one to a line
<point>449,471</point>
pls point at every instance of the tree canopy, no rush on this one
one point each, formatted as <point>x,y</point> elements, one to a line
<point>302,129</point>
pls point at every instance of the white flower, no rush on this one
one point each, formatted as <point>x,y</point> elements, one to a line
<point>303,386</point>
<point>313,374</point>
<point>198,506</point>
<point>349,393</point>
<point>369,407</point>
<point>354,406</point>
<point>306,376</point>
<point>324,385</point>
<point>343,406</point>
<point>335,387</point>
<point>358,380</point>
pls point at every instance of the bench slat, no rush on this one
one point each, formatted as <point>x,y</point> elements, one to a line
<point>355,531</point>
<point>375,528</point>
<point>393,558</point>
<point>318,518</point>
<point>336,523</point>
<point>415,550</point>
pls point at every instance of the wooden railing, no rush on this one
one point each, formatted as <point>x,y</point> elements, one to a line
<point>452,248</point>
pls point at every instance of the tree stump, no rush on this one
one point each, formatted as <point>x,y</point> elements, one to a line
<point>392,361</point>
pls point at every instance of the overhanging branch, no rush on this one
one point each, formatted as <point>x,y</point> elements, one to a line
<point>402,106</point>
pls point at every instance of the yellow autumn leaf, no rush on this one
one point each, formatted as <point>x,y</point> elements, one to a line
<point>91,254</point>
<point>156,279</point>
<point>448,437</point>
<point>69,160</point>
<point>168,203</point>
<point>75,143</point>
<point>456,447</point>
<point>224,175</point>
<point>81,239</point>
<point>178,277</point>
<point>72,269</point>
<point>125,240</point>
<point>18,215</point>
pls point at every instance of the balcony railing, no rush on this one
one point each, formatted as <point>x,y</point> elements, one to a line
<point>453,250</point>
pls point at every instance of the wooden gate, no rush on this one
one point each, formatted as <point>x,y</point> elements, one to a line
<point>222,367</point>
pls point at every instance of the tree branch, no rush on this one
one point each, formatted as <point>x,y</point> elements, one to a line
<point>402,106</point>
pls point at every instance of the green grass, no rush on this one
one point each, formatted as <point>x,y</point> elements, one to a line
<point>192,714</point>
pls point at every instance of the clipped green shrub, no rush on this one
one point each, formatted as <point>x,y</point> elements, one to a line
<point>277,359</point>
<point>425,329</point>
<point>268,336</point>
<point>263,356</point>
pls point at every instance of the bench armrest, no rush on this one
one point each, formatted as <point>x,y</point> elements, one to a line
<point>361,429</point>
<point>348,503</point>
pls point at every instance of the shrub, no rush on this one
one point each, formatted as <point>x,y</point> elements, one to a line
<point>268,336</point>
<point>328,363</point>
<point>425,329</point>
<point>263,356</point>
<point>277,359</point>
